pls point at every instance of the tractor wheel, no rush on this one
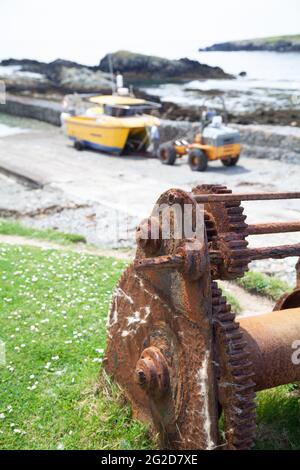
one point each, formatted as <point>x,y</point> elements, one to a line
<point>78,145</point>
<point>197,160</point>
<point>230,161</point>
<point>167,154</point>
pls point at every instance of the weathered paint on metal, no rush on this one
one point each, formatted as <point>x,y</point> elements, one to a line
<point>174,344</point>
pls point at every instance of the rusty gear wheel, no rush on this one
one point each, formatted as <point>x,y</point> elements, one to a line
<point>162,360</point>
<point>159,357</point>
<point>174,344</point>
<point>163,349</point>
<point>226,232</point>
<point>236,389</point>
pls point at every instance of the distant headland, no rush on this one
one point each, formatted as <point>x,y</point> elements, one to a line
<point>272,44</point>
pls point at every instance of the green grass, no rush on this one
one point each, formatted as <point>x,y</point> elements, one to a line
<point>295,38</point>
<point>278,416</point>
<point>14,228</point>
<point>53,309</point>
<point>262,284</point>
<point>233,301</point>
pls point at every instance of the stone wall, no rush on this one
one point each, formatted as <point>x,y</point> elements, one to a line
<point>42,110</point>
<point>273,142</point>
<point>258,141</point>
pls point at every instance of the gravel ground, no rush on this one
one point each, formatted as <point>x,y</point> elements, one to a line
<point>51,208</point>
<point>103,197</point>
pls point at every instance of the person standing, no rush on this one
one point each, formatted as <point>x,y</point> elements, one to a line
<point>155,139</point>
<point>119,81</point>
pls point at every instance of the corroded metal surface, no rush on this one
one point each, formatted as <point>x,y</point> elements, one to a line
<point>166,310</point>
<point>174,344</point>
<point>246,197</point>
<point>275,252</point>
<point>227,220</point>
<point>273,227</point>
<point>270,338</point>
<point>291,299</point>
<point>142,318</point>
<point>235,376</point>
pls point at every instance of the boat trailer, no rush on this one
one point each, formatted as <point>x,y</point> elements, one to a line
<point>174,344</point>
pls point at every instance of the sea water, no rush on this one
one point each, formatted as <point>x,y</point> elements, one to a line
<point>272,81</point>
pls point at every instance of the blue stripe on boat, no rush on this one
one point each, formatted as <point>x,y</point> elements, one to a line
<point>103,148</point>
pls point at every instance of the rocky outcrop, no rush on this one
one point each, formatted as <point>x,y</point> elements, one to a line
<point>26,64</point>
<point>284,44</point>
<point>276,117</point>
<point>60,76</point>
<point>81,80</point>
<point>273,117</point>
<point>29,85</point>
<point>51,70</point>
<point>63,76</point>
<point>146,68</point>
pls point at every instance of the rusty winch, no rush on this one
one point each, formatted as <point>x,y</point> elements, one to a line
<point>174,344</point>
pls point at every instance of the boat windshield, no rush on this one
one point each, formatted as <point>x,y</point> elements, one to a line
<point>126,111</point>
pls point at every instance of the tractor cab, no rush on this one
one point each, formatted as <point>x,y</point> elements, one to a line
<point>217,134</point>
<point>215,141</point>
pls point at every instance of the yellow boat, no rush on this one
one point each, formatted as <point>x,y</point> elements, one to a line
<point>117,124</point>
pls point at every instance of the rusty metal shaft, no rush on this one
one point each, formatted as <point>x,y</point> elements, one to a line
<point>272,343</point>
<point>273,252</point>
<point>273,227</point>
<point>160,262</point>
<point>206,198</point>
<point>177,261</point>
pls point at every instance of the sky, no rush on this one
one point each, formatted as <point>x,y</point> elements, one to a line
<point>85,31</point>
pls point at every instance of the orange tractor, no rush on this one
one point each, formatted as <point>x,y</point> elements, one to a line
<point>215,142</point>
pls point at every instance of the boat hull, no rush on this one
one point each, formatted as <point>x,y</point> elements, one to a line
<point>97,137</point>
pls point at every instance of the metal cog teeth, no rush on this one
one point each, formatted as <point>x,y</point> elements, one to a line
<point>239,357</point>
<point>232,228</point>
<point>236,374</point>
<point>229,326</point>
<point>238,244</point>
<point>219,301</point>
<point>237,366</point>
<point>246,388</point>
<point>231,204</point>
<point>241,378</point>
<point>227,316</point>
<point>237,346</point>
<point>235,211</point>
<point>233,336</point>
<point>214,188</point>
<point>238,226</point>
<point>245,398</point>
<point>237,217</point>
